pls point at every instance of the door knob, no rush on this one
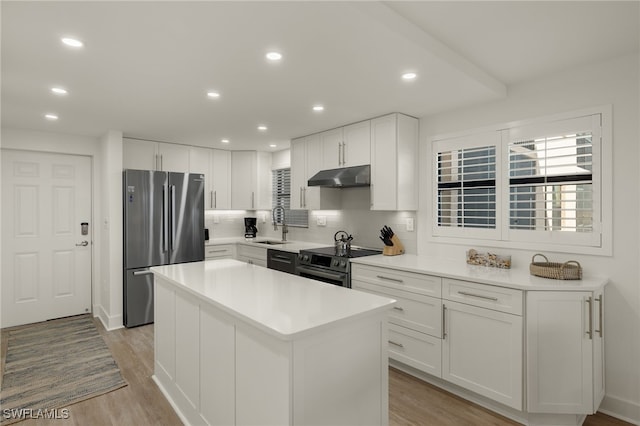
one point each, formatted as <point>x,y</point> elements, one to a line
<point>83,244</point>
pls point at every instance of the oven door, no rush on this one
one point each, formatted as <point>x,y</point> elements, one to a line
<point>332,277</point>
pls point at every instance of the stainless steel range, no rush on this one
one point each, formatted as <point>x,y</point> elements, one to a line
<point>325,264</point>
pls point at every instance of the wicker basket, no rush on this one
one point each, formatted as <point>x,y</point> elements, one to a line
<point>570,270</point>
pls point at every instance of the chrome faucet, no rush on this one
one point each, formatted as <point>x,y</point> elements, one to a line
<point>285,229</point>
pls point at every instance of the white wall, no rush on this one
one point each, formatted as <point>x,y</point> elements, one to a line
<point>109,310</point>
<point>615,82</point>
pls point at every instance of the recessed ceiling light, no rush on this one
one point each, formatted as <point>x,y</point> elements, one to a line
<point>225,141</point>
<point>72,42</point>
<point>273,145</point>
<point>409,75</point>
<point>51,117</point>
<point>263,128</point>
<point>318,108</point>
<point>213,94</point>
<point>58,90</point>
<point>274,56</point>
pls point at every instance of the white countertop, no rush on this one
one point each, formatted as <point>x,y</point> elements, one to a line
<point>290,246</point>
<point>283,305</point>
<point>517,278</point>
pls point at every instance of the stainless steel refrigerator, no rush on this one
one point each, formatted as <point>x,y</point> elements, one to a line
<point>163,224</point>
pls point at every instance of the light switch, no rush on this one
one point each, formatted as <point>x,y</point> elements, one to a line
<point>410,224</point>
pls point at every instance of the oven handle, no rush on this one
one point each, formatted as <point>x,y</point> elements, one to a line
<point>322,274</point>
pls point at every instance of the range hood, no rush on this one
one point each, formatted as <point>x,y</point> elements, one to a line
<point>345,177</point>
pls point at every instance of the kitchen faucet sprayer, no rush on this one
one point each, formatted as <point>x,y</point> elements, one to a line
<point>284,222</point>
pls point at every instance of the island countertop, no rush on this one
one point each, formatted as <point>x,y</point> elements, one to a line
<point>283,305</point>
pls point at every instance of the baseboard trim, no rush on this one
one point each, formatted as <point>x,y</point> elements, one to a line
<point>110,323</point>
<point>621,409</point>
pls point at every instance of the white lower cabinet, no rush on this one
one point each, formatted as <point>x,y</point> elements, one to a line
<point>565,369</point>
<point>222,251</point>
<point>217,377</point>
<point>416,349</point>
<point>217,369</point>
<point>482,352</point>
<point>251,254</point>
<point>415,322</point>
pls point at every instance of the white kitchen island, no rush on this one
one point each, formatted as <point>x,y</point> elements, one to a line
<point>241,344</point>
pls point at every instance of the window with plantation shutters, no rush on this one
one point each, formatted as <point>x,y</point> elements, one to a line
<point>281,184</point>
<point>539,182</point>
<point>466,193</point>
<point>552,191</point>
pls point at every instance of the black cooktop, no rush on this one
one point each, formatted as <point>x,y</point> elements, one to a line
<point>354,252</point>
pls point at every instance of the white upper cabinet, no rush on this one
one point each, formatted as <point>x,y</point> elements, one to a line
<point>250,180</point>
<point>149,155</point>
<point>221,182</point>
<point>394,171</point>
<point>346,146</point>
<point>138,154</point>
<point>306,161</point>
<point>356,145</point>
<point>331,142</point>
<point>173,157</point>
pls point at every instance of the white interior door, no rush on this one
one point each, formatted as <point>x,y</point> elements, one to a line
<point>46,259</point>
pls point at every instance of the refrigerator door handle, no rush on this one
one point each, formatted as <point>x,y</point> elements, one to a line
<point>173,216</point>
<point>165,217</point>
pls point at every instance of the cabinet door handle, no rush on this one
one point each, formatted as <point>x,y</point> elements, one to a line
<point>215,199</point>
<point>138,273</point>
<point>395,280</point>
<point>304,192</point>
<point>479,296</point>
<point>301,204</point>
<point>444,317</point>
<point>589,331</point>
<point>339,153</point>
<point>344,153</point>
<point>253,200</point>
<point>398,308</point>
<point>161,163</point>
<point>400,345</point>
<point>156,157</point>
<point>600,329</point>
<point>211,204</point>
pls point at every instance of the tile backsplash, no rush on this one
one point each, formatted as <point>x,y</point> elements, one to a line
<point>355,218</point>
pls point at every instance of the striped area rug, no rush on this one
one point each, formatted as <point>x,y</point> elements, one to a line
<point>53,364</point>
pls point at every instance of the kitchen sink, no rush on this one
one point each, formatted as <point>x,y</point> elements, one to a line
<point>272,242</point>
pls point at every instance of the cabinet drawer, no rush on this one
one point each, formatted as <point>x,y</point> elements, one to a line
<point>415,349</point>
<point>217,252</point>
<point>486,296</point>
<point>402,280</point>
<point>254,252</point>
<point>415,311</point>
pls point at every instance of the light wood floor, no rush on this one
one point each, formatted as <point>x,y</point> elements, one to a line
<point>411,401</point>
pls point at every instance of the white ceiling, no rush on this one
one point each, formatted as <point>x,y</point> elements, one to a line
<point>146,66</point>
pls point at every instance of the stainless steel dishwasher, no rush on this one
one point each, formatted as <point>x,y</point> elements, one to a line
<point>281,260</point>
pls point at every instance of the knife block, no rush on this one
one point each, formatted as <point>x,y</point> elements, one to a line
<point>394,250</point>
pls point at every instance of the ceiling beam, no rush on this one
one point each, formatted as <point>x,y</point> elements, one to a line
<point>388,17</point>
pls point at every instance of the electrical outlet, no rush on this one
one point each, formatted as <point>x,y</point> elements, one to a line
<point>216,219</point>
<point>321,220</point>
<point>410,224</point>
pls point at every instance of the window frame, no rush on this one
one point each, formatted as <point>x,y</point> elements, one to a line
<point>295,218</point>
<point>600,244</point>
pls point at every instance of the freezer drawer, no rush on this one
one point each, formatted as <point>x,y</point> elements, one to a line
<point>138,297</point>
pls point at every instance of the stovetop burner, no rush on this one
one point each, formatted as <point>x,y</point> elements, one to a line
<point>353,253</point>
